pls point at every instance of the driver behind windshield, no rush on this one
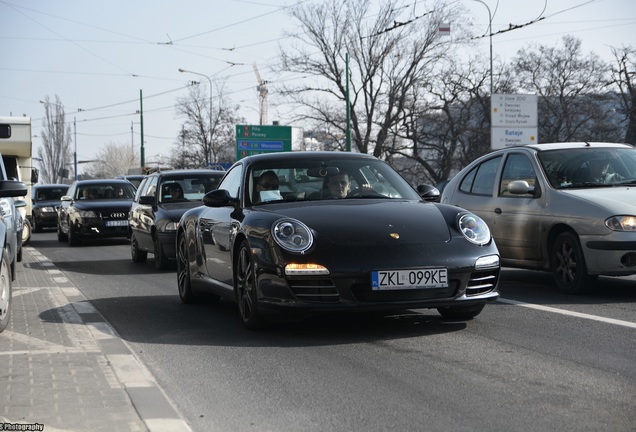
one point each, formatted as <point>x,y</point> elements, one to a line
<point>338,185</point>
<point>267,188</point>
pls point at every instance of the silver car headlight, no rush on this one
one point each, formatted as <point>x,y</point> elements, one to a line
<point>47,210</point>
<point>474,229</point>
<point>624,223</point>
<point>86,214</point>
<point>292,235</point>
<point>6,208</point>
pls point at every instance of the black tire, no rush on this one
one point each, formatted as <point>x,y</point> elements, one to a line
<point>183,271</point>
<point>245,288</point>
<point>36,227</point>
<point>461,313</point>
<point>12,269</point>
<point>60,234</point>
<point>568,265</point>
<point>161,260</point>
<point>138,255</point>
<point>72,235</point>
<point>5,293</point>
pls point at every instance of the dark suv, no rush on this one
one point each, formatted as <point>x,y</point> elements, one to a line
<point>46,200</point>
<point>161,199</point>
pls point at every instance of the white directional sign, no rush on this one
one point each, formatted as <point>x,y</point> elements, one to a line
<point>514,120</point>
<point>509,136</point>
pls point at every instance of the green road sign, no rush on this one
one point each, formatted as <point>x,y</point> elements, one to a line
<point>251,140</point>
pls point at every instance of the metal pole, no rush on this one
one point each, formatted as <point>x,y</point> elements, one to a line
<point>75,152</point>
<point>348,133</point>
<point>490,39</point>
<point>141,116</point>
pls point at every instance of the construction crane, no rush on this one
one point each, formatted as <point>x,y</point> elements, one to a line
<point>262,95</point>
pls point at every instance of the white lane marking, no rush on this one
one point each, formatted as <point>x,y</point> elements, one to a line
<point>570,313</point>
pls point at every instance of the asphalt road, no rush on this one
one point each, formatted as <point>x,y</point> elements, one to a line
<point>537,360</point>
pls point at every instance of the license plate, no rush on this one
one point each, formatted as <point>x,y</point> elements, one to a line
<point>409,279</point>
<point>112,223</point>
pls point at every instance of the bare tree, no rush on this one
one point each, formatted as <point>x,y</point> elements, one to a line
<point>194,147</point>
<point>624,77</point>
<point>113,159</point>
<point>568,84</point>
<point>55,152</point>
<point>390,59</point>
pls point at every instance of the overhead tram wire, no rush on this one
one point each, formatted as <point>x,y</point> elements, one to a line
<point>534,21</point>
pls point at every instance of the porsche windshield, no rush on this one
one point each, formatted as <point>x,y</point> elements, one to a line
<point>327,179</point>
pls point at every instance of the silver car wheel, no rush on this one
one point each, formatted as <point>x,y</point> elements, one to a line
<point>568,265</point>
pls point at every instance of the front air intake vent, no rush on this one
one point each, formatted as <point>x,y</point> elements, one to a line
<point>315,290</point>
<point>482,282</point>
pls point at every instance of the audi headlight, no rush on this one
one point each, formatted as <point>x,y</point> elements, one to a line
<point>86,214</point>
<point>6,208</point>
<point>624,223</point>
<point>474,229</point>
<point>172,226</point>
<point>292,235</point>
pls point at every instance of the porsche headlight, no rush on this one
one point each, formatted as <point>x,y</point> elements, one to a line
<point>292,235</point>
<point>474,229</point>
<point>624,223</point>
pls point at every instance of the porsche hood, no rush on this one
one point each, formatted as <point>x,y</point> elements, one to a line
<point>372,222</point>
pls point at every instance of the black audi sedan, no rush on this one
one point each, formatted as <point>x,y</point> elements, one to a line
<point>160,201</point>
<point>94,209</point>
<point>291,234</point>
<point>46,200</point>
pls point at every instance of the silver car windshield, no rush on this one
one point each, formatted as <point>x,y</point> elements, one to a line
<point>589,167</point>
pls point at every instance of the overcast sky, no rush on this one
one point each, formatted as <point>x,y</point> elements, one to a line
<point>98,55</point>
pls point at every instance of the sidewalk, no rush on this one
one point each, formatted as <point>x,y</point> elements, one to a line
<point>63,368</point>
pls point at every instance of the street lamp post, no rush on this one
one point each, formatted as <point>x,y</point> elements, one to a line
<point>207,151</point>
<point>75,151</point>
<point>490,39</point>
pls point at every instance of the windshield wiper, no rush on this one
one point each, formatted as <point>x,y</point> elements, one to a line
<point>630,182</point>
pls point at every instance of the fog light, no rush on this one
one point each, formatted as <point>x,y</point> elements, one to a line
<point>486,262</point>
<point>629,259</point>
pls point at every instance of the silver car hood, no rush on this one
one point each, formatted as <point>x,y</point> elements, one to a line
<point>617,200</point>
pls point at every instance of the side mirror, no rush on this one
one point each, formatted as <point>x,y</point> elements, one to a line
<point>147,200</point>
<point>219,198</point>
<point>19,203</point>
<point>520,187</point>
<point>428,193</point>
<point>11,189</point>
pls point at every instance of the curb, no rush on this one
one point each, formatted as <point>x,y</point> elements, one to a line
<point>148,399</point>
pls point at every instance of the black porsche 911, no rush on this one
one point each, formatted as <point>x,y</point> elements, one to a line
<point>288,235</point>
<point>94,209</point>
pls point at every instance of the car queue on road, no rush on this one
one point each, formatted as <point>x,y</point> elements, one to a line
<point>287,249</point>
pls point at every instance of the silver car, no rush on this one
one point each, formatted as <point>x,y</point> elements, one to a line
<point>568,208</point>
